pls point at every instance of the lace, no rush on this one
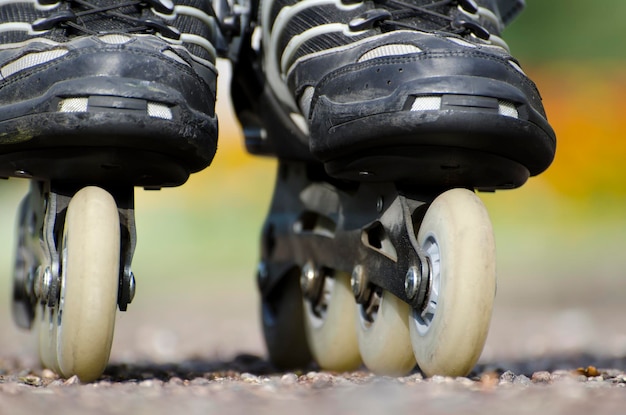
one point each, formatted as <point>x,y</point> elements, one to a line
<point>84,17</point>
<point>398,14</point>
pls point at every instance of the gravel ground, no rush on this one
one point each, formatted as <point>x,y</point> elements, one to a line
<point>560,349</point>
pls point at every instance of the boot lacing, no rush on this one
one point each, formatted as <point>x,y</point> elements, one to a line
<point>398,14</point>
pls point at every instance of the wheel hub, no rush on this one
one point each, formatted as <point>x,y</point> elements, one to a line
<point>425,313</point>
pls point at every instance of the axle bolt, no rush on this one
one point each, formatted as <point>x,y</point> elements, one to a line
<point>131,287</point>
<point>380,204</point>
<point>412,282</point>
<point>310,281</point>
<point>356,281</point>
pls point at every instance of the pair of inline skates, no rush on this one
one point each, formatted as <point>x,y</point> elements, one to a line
<point>385,116</point>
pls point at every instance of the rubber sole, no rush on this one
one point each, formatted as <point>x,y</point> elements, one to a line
<point>462,148</point>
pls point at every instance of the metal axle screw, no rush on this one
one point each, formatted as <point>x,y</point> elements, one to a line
<point>131,287</point>
<point>380,204</point>
<point>43,284</point>
<point>356,281</point>
<point>412,282</point>
<point>308,280</point>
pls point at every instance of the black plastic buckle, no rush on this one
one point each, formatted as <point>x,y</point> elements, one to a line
<point>479,31</point>
<point>162,6</point>
<point>165,30</point>
<point>369,19</point>
<point>469,6</point>
<point>54,20</point>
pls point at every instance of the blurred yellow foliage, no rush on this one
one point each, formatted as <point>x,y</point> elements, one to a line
<point>585,107</point>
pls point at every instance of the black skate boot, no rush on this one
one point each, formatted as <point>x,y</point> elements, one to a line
<point>385,116</point>
<point>387,86</point>
<point>96,97</point>
<point>127,87</point>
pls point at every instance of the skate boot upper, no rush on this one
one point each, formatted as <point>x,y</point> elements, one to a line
<point>112,91</point>
<point>390,88</point>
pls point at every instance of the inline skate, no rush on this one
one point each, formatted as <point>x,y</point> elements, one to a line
<point>386,116</point>
<point>96,97</point>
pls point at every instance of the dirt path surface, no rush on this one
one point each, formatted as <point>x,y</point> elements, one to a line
<point>553,348</point>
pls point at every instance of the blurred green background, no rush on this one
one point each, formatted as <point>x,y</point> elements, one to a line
<point>567,224</point>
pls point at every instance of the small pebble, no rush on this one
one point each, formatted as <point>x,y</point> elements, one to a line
<point>416,378</point>
<point>507,377</point>
<point>522,380</point>
<point>289,379</point>
<point>562,375</point>
<point>612,373</point>
<point>175,381</point>
<point>72,381</point>
<point>619,379</point>
<point>199,381</point>
<point>48,374</point>
<point>541,377</point>
<point>589,371</point>
<point>250,378</point>
<point>322,380</point>
<point>31,380</point>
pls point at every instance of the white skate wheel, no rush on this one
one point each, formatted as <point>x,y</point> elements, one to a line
<point>330,326</point>
<point>384,339</point>
<point>90,263</point>
<point>47,328</point>
<point>449,334</point>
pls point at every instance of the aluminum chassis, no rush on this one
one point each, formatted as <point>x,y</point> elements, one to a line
<point>366,230</point>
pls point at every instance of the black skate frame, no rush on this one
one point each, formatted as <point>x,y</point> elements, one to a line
<point>323,225</point>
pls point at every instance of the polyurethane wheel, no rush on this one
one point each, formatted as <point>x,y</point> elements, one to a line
<point>282,320</point>
<point>330,326</point>
<point>384,339</point>
<point>46,319</point>
<point>448,335</point>
<point>90,269</point>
